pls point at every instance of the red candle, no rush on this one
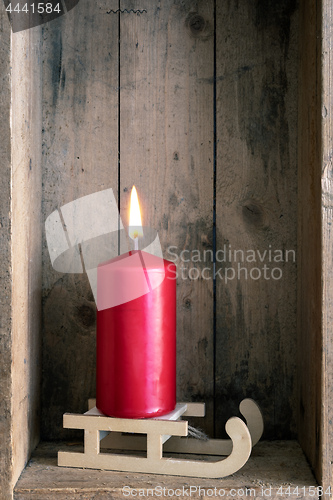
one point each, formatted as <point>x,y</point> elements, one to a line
<point>136,338</point>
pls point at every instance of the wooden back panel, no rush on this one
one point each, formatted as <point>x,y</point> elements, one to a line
<point>200,99</point>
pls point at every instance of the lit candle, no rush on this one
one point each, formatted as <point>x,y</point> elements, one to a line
<point>136,339</point>
<point>135,223</point>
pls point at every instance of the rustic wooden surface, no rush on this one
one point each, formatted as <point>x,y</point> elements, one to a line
<point>26,244</point>
<point>325,116</point>
<point>172,147</point>
<point>80,157</point>
<point>20,238</point>
<point>5,261</point>
<point>309,236</point>
<point>166,103</point>
<point>166,123</point>
<point>275,464</point>
<point>256,208</point>
<point>166,150</point>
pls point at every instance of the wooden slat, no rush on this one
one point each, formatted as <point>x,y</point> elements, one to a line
<point>90,422</point>
<point>5,262</point>
<point>324,116</point>
<point>80,151</point>
<point>309,238</point>
<point>256,209</point>
<point>166,144</point>
<point>91,442</point>
<point>26,199</point>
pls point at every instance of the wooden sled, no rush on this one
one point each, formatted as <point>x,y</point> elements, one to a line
<point>167,429</point>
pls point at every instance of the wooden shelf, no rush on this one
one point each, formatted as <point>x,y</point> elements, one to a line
<point>272,464</point>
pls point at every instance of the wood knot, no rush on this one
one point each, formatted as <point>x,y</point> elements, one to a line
<point>195,24</point>
<point>187,303</point>
<point>205,241</point>
<point>86,315</point>
<point>253,213</point>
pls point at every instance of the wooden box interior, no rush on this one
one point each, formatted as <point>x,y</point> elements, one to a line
<point>214,111</point>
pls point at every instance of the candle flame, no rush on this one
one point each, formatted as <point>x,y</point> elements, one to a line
<point>135,223</point>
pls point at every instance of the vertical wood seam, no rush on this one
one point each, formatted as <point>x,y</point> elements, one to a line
<point>214,226</point>
<point>320,466</point>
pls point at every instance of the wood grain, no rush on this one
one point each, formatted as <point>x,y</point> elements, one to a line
<point>166,123</point>
<point>26,244</point>
<point>324,116</point>
<point>166,150</point>
<point>20,241</point>
<point>309,237</point>
<point>256,209</point>
<point>5,261</point>
<point>166,102</point>
<point>80,157</point>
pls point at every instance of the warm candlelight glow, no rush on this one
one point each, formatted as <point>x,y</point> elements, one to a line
<point>135,223</point>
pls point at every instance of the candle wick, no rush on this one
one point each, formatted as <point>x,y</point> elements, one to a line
<point>136,243</point>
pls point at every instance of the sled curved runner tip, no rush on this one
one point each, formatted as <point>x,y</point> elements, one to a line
<point>254,419</point>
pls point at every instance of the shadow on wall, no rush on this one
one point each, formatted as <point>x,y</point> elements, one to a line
<point>24,15</point>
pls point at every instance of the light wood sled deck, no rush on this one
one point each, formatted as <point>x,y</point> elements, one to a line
<point>106,432</point>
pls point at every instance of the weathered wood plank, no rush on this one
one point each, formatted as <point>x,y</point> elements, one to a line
<point>325,117</point>
<point>309,238</point>
<point>166,144</point>
<point>279,463</point>
<point>5,261</point>
<point>256,210</point>
<point>20,238</point>
<point>26,244</point>
<point>80,157</point>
